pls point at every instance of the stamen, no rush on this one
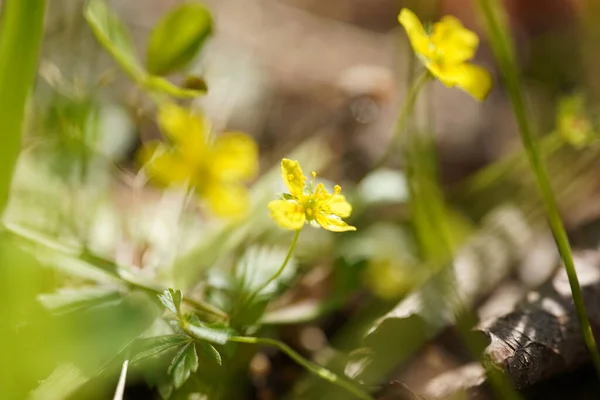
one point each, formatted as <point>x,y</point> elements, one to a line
<point>337,189</point>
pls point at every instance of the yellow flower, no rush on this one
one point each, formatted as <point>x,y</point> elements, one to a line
<point>445,51</point>
<point>214,167</point>
<point>307,203</point>
<point>573,123</point>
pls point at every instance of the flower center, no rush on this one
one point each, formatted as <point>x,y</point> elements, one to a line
<point>310,209</point>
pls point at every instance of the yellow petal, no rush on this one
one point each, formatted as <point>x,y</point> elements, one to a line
<point>339,206</point>
<point>293,177</point>
<point>235,156</point>
<point>333,223</point>
<point>287,214</point>
<point>230,201</point>
<point>415,32</point>
<point>453,42</point>
<point>164,165</point>
<point>321,194</point>
<point>187,130</point>
<point>473,79</point>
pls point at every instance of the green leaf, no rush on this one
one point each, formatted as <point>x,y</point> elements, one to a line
<point>165,389</point>
<point>171,299</point>
<point>100,333</point>
<point>211,333</point>
<point>177,38</point>
<point>157,345</point>
<point>67,299</point>
<point>210,351</point>
<point>21,34</point>
<point>64,380</point>
<point>113,35</point>
<point>184,363</point>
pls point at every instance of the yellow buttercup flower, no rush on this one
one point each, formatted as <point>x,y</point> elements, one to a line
<point>215,167</point>
<point>445,51</point>
<point>307,203</point>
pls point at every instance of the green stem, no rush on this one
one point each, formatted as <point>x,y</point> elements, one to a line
<point>406,110</point>
<point>316,369</point>
<point>279,271</point>
<point>21,32</point>
<point>504,54</point>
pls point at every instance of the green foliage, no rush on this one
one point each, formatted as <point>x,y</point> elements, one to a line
<point>210,351</point>
<point>183,364</point>
<point>82,280</point>
<point>177,38</point>
<point>21,31</point>
<point>214,334</point>
<point>114,37</point>
<point>172,300</point>
<point>72,299</point>
<point>157,345</point>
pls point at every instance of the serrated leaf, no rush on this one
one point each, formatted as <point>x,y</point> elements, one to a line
<point>214,334</point>
<point>184,363</point>
<point>159,345</point>
<point>171,299</point>
<point>210,351</point>
<point>113,35</point>
<point>177,38</point>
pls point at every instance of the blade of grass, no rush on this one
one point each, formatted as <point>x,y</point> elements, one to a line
<point>497,32</point>
<point>21,30</point>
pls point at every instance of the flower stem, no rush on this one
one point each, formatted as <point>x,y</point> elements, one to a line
<point>316,369</point>
<point>504,54</point>
<point>400,126</point>
<point>278,273</point>
<point>21,34</point>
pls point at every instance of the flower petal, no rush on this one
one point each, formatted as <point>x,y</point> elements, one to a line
<point>164,165</point>
<point>287,214</point>
<point>235,156</point>
<point>339,206</point>
<point>293,177</point>
<point>415,31</point>
<point>473,79</point>
<point>187,130</point>
<point>453,42</point>
<point>321,194</point>
<point>333,223</point>
<point>231,201</point>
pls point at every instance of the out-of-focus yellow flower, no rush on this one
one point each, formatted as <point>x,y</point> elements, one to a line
<point>445,52</point>
<point>309,203</point>
<point>215,167</point>
<point>387,278</point>
<point>573,122</point>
